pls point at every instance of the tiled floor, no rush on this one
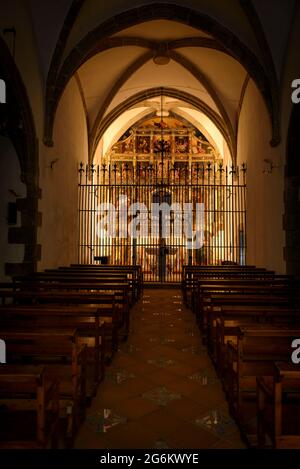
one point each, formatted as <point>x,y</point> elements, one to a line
<point>161,390</point>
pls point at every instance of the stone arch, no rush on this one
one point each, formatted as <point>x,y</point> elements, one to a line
<point>230,42</point>
<point>20,129</point>
<point>187,65</point>
<point>170,92</point>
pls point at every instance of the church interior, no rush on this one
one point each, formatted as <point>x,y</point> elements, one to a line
<point>150,224</point>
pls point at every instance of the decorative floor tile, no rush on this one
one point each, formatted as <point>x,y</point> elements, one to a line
<point>161,362</point>
<point>161,315</point>
<point>190,331</point>
<point>165,325</point>
<point>128,348</point>
<point>217,423</point>
<point>166,341</point>
<point>104,420</point>
<point>119,376</point>
<point>165,401</point>
<point>204,377</point>
<point>161,396</point>
<point>195,350</point>
<point>162,340</point>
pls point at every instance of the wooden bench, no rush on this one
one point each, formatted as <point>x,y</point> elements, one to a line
<point>224,324</point>
<point>224,321</point>
<point>191,284</point>
<point>214,300</point>
<point>99,283</point>
<point>29,407</point>
<point>133,273</point>
<point>58,294</point>
<point>254,354</point>
<point>278,398</point>
<point>135,270</point>
<point>238,284</point>
<point>78,276</point>
<point>65,361</point>
<point>90,322</point>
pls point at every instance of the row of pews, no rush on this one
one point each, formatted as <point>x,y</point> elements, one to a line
<point>61,328</point>
<point>250,321</point>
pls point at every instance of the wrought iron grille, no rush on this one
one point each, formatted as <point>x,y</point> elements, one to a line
<point>221,191</point>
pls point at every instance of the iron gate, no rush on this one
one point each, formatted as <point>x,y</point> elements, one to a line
<point>220,191</point>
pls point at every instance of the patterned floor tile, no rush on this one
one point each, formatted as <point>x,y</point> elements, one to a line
<point>119,376</point>
<point>161,362</point>
<point>104,420</point>
<point>161,390</point>
<point>217,423</point>
<point>161,396</point>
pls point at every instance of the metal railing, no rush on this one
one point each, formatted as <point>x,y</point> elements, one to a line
<point>221,192</point>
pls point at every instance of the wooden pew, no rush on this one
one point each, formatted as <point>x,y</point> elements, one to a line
<point>29,408</point>
<point>190,285</point>
<point>207,292</point>
<point>190,270</point>
<point>254,354</point>
<point>65,361</point>
<point>133,273</point>
<point>90,322</point>
<point>234,299</point>
<point>107,276</point>
<point>239,284</point>
<point>62,294</point>
<point>117,281</point>
<point>76,284</point>
<point>278,398</point>
<point>135,270</point>
<point>224,324</point>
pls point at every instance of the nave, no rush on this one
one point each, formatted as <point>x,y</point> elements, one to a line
<point>95,359</point>
<point>161,390</point>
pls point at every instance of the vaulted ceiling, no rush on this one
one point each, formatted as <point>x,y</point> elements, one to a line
<point>212,49</point>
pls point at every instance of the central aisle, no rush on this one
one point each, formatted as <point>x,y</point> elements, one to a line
<point>161,390</point>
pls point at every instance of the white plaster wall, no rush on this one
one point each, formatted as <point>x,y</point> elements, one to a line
<point>265,236</point>
<point>59,230</point>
